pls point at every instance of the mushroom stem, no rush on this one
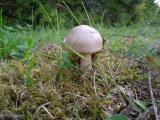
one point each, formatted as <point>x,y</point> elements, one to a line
<point>86,63</point>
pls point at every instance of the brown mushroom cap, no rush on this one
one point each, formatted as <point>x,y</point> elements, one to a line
<point>84,39</point>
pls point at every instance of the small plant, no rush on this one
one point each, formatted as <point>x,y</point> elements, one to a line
<point>64,64</point>
<point>29,61</point>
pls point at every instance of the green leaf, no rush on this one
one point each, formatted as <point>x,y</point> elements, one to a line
<point>15,54</point>
<point>58,75</point>
<point>9,28</point>
<point>141,104</point>
<point>5,41</point>
<point>30,43</point>
<point>117,117</point>
<point>22,47</point>
<point>29,82</point>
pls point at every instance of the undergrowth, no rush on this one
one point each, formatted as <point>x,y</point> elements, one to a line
<point>39,81</point>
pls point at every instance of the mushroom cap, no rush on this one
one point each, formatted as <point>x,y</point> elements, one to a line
<point>84,39</point>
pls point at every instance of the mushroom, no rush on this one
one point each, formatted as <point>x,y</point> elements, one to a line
<point>85,40</point>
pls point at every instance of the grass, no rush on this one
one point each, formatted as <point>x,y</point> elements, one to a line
<point>39,79</point>
<point>14,42</point>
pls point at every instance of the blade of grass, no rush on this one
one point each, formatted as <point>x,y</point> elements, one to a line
<point>1,18</point>
<point>95,109</point>
<point>69,48</point>
<point>86,13</point>
<point>47,15</point>
<point>70,11</point>
<point>57,20</point>
<point>32,17</point>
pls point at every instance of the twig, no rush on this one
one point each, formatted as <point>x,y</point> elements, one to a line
<point>43,106</point>
<point>47,111</point>
<point>151,95</point>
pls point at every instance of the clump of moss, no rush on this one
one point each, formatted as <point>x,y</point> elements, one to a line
<point>60,90</point>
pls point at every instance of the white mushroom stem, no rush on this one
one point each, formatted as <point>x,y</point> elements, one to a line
<point>87,62</point>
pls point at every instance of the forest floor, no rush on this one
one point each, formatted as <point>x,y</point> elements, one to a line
<point>41,81</point>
